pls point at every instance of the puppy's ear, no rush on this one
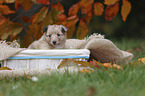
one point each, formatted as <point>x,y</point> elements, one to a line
<point>45,28</point>
<point>64,29</point>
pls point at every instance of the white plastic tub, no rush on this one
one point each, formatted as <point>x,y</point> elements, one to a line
<point>43,59</point>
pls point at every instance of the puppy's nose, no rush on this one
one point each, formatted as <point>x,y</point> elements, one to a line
<point>54,42</point>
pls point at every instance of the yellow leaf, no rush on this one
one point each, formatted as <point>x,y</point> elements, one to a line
<point>40,15</point>
<point>98,8</point>
<point>110,2</point>
<point>142,60</point>
<point>67,63</point>
<point>5,68</point>
<point>125,9</point>
<point>82,30</point>
<point>84,64</point>
<point>86,71</point>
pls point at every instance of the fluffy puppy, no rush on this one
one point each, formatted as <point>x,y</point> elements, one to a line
<point>54,37</point>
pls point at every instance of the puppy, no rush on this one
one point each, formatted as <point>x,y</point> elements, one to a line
<point>54,37</point>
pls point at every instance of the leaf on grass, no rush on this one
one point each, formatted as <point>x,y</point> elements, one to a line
<point>125,9</point>
<point>142,60</point>
<point>36,18</point>
<point>45,2</point>
<point>74,10</point>
<point>4,9</point>
<point>98,8</point>
<point>86,71</point>
<point>82,30</point>
<point>110,2</point>
<point>84,64</point>
<point>5,68</point>
<point>67,63</point>
<point>111,11</point>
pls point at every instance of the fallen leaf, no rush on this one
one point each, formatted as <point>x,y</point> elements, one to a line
<point>91,91</point>
<point>71,31</point>
<point>98,8</point>
<point>142,60</point>
<point>84,64</point>
<point>110,2</point>
<point>5,68</point>
<point>26,19</point>
<point>125,9</point>
<point>86,71</point>
<point>111,11</point>
<point>67,63</point>
<point>27,4</point>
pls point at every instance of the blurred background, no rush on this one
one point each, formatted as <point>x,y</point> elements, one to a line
<point>25,19</point>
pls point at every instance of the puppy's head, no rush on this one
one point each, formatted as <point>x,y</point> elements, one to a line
<point>55,35</point>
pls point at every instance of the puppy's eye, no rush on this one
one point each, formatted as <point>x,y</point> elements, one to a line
<point>58,35</point>
<point>49,35</point>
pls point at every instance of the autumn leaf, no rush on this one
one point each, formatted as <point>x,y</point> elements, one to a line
<point>74,9</point>
<point>84,64</point>
<point>40,15</point>
<point>142,60</point>
<point>8,1</point>
<point>98,8</point>
<point>26,19</point>
<point>4,9</point>
<point>61,17</point>
<point>67,63</point>
<point>111,11</point>
<point>82,30</point>
<point>27,40</point>
<point>45,2</point>
<point>2,19</point>
<point>14,28</point>
<point>70,21</point>
<point>27,4</point>
<point>85,10</point>
<point>17,5</point>
<point>86,71</point>
<point>86,3</point>
<point>110,2</point>
<point>125,9</point>
<point>5,68</point>
<point>70,31</point>
<point>58,7</point>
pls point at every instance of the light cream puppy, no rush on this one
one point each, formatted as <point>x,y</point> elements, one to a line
<point>54,37</point>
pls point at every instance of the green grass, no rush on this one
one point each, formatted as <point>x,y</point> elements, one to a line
<point>113,82</point>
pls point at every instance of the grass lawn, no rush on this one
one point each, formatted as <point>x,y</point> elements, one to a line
<point>113,82</point>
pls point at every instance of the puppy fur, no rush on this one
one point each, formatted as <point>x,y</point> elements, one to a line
<point>54,37</point>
